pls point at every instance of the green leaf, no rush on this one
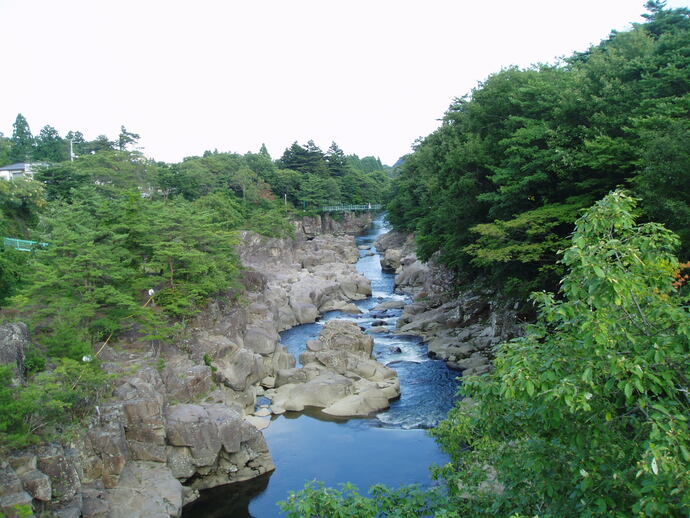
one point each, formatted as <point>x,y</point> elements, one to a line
<point>628,389</point>
<point>529,386</point>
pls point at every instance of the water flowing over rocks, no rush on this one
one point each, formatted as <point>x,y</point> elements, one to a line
<point>182,416</point>
<point>461,327</point>
<point>338,375</point>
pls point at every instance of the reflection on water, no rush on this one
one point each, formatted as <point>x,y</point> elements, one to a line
<point>389,448</point>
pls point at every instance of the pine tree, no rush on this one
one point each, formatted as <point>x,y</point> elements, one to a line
<point>22,141</point>
<point>50,146</point>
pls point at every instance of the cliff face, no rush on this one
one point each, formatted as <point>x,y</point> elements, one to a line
<point>461,326</point>
<point>345,223</point>
<point>181,416</point>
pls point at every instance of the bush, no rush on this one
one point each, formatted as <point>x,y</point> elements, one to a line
<point>587,415</point>
<point>50,401</point>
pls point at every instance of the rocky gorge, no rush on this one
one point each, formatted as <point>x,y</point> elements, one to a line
<point>182,416</point>
<point>186,417</point>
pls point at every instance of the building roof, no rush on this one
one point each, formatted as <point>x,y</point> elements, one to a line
<point>21,166</point>
<point>14,167</point>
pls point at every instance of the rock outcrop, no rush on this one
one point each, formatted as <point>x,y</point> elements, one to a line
<point>338,376</point>
<point>180,421</point>
<point>346,223</point>
<point>142,456</point>
<point>462,327</point>
<point>14,341</point>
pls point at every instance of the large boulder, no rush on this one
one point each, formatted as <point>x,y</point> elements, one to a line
<point>322,391</point>
<point>146,489</point>
<point>185,381</point>
<point>14,341</point>
<point>60,467</point>
<point>12,493</point>
<point>211,445</point>
<point>390,261</point>
<point>240,369</point>
<point>339,375</point>
<point>342,335</point>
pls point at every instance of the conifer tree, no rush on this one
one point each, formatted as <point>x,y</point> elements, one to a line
<point>22,141</point>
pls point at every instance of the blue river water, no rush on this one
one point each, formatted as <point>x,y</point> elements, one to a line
<point>391,447</point>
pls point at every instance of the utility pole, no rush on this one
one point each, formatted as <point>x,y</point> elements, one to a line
<point>71,151</point>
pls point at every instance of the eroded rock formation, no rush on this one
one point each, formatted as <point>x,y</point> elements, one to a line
<point>460,327</point>
<point>338,375</point>
<point>180,419</point>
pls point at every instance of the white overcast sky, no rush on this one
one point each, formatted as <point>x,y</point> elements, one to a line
<point>188,76</point>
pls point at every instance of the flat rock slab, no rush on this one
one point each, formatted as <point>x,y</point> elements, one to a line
<point>260,423</point>
<point>146,490</point>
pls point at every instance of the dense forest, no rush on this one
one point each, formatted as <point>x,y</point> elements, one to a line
<point>572,178</point>
<point>497,188</point>
<point>111,224</point>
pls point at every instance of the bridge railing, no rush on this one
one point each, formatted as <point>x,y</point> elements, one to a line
<point>23,245</point>
<point>349,208</point>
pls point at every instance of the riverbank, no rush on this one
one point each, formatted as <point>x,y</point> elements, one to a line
<point>390,447</point>
<point>177,422</point>
<point>460,326</point>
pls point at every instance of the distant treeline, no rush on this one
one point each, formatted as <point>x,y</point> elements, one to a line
<point>497,188</point>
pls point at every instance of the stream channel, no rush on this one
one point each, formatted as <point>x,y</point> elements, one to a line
<point>391,447</point>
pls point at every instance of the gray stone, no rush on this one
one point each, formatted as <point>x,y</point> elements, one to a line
<point>261,340</point>
<point>9,481</point>
<point>14,341</point>
<point>189,425</point>
<point>147,489</point>
<point>10,502</point>
<point>60,467</point>
<point>38,485</point>
<point>94,504</point>
<point>187,382</point>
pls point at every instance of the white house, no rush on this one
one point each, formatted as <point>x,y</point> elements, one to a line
<point>20,170</point>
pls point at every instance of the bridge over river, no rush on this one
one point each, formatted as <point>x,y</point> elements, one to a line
<point>351,208</point>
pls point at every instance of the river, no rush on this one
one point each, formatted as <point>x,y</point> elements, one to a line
<point>391,447</point>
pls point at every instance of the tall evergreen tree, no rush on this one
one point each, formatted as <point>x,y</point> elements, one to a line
<point>336,161</point>
<point>126,138</point>
<point>22,141</point>
<point>50,146</point>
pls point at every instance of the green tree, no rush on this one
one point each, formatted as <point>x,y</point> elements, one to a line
<point>307,159</point>
<point>336,161</point>
<point>78,142</point>
<point>286,184</point>
<point>102,143</point>
<point>587,414</point>
<point>126,138</point>
<point>21,202</point>
<point>50,146</point>
<point>12,263</point>
<point>79,288</point>
<point>246,181</point>
<point>5,148</point>
<point>194,255</point>
<point>534,146</point>
<point>60,180</point>
<point>22,141</point>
